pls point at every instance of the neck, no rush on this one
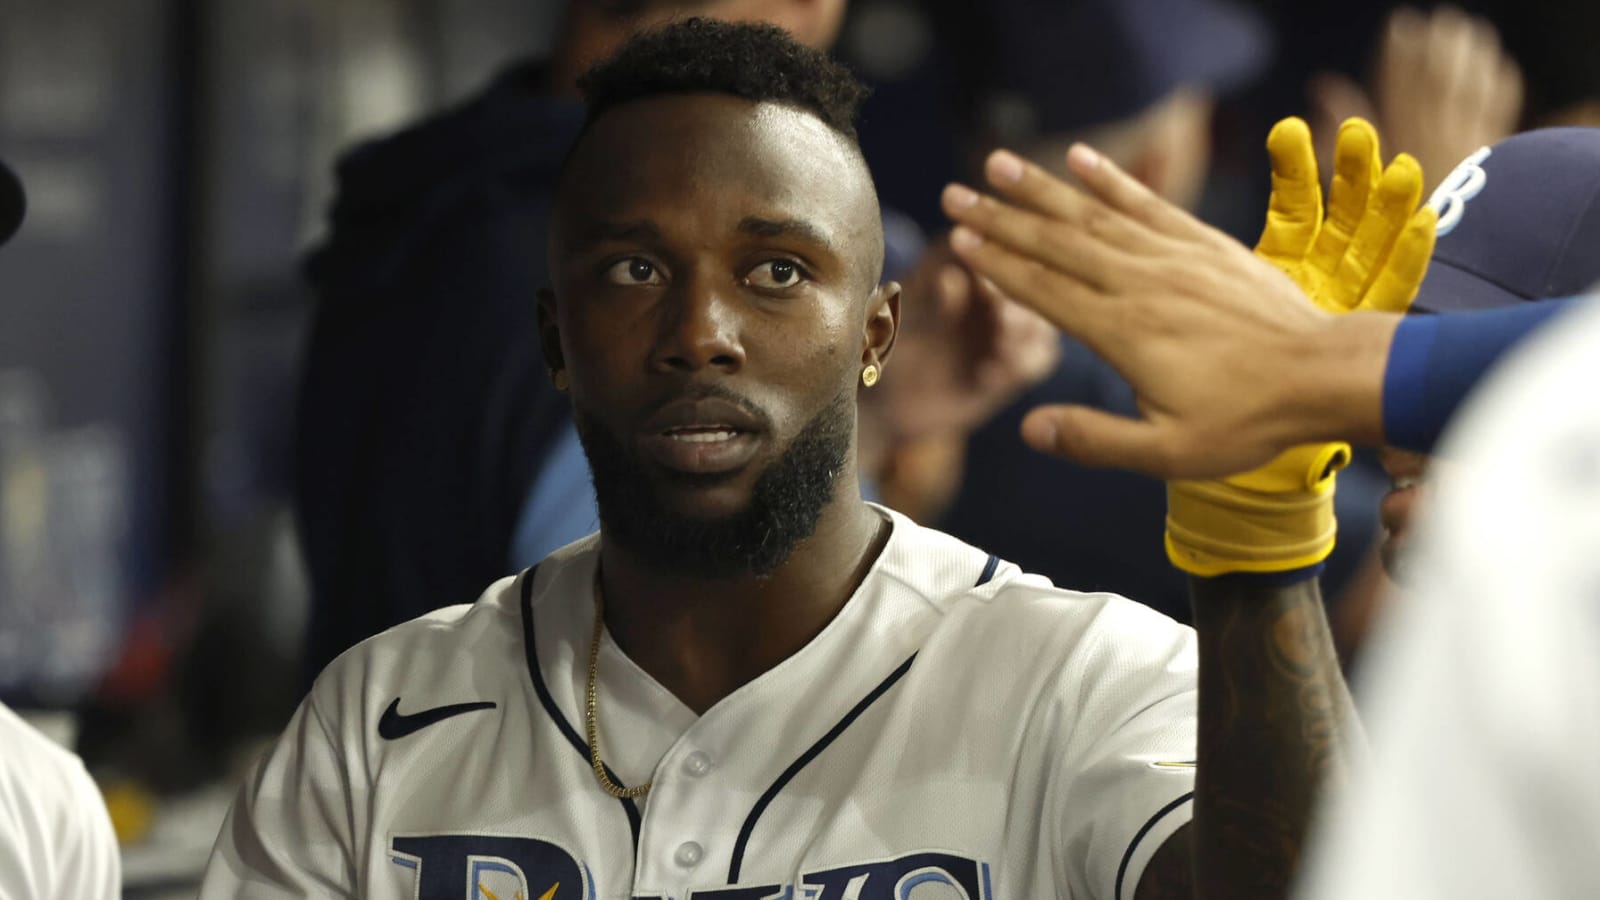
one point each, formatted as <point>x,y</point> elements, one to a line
<point>703,638</point>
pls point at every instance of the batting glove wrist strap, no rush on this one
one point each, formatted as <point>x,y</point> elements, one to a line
<point>1276,518</point>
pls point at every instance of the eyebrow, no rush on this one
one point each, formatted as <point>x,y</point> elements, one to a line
<point>621,231</point>
<point>641,229</point>
<point>772,228</point>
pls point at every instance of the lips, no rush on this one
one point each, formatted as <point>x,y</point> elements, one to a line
<point>703,436</point>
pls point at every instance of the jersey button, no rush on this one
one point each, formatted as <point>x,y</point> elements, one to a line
<point>697,764</point>
<point>689,854</point>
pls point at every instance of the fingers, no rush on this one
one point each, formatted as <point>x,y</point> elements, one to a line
<point>1067,302</point>
<point>1335,97</point>
<point>1025,185</point>
<point>1081,248</point>
<point>1452,50</point>
<point>1128,195</point>
<point>1506,108</point>
<point>1294,212</point>
<point>953,288</point>
<point>1096,438</point>
<point>1395,199</point>
<point>1356,167</point>
<point>1400,65</point>
<point>1029,187</point>
<point>1026,343</point>
<point>1397,282</point>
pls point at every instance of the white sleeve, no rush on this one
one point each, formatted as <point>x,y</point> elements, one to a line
<point>91,863</point>
<point>56,839</point>
<point>1126,781</point>
<point>1482,691</point>
<point>290,832</point>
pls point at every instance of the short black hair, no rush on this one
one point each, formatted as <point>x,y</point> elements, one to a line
<point>756,61</point>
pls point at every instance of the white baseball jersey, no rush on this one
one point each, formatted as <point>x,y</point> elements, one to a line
<point>959,729</point>
<point>56,840</point>
<point>1482,695</point>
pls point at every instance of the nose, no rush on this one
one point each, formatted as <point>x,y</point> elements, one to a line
<point>699,329</point>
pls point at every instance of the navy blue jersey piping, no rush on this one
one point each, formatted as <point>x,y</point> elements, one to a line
<point>1127,856</point>
<point>549,703</point>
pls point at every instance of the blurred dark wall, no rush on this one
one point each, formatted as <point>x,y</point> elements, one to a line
<point>89,315</point>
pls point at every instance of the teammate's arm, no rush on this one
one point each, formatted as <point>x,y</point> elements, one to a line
<point>1275,727</point>
<point>1230,363</point>
<point>1435,361</point>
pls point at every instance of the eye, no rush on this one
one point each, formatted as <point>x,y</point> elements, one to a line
<point>775,273</point>
<point>633,271</point>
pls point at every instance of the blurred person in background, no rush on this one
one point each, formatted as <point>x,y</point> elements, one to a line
<point>1442,86</point>
<point>56,840</point>
<point>432,453</point>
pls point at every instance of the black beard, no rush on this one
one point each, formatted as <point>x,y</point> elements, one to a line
<point>785,504</point>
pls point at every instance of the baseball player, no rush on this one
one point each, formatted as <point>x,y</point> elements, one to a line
<point>55,834</point>
<point>750,683</point>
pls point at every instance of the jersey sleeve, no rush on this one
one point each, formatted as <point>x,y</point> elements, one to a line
<point>91,864</point>
<point>1127,698</point>
<point>290,831</point>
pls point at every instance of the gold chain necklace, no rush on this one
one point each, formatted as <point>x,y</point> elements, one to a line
<point>589,711</point>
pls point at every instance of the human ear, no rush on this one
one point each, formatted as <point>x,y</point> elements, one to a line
<point>882,324</point>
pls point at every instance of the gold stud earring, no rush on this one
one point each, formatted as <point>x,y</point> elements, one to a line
<point>558,377</point>
<point>869,375</point>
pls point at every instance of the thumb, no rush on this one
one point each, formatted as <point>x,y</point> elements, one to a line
<point>1096,438</point>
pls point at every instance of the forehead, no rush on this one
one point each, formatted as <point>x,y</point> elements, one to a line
<point>711,155</point>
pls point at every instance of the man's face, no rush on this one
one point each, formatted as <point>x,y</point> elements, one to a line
<point>715,269</point>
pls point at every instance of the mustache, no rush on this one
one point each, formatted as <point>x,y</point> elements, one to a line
<point>694,391</point>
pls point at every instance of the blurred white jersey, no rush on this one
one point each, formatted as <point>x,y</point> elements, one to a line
<point>958,730</point>
<point>1484,686</point>
<point>55,835</point>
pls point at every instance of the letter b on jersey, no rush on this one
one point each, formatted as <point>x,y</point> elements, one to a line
<point>484,867</point>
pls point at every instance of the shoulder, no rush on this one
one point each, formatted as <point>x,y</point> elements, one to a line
<point>472,644</point>
<point>31,765</point>
<point>988,600</point>
<point>51,814</point>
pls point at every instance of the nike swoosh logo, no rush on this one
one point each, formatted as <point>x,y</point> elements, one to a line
<point>393,725</point>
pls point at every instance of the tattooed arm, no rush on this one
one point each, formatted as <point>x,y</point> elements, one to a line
<point>1274,732</point>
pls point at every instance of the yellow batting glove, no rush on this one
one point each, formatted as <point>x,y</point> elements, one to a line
<point>1276,518</point>
<point>1372,248</point>
<point>1369,252</point>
